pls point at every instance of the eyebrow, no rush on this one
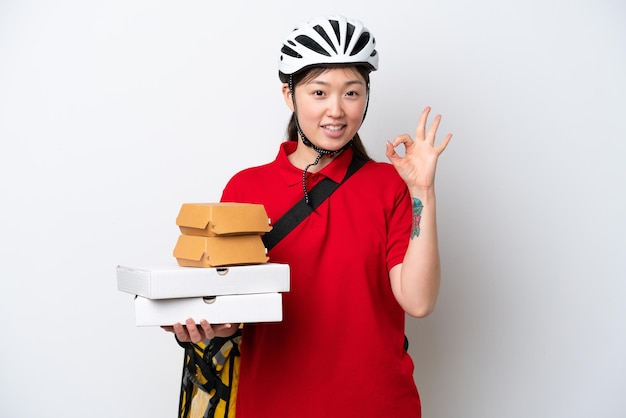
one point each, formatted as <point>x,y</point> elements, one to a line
<point>346,84</point>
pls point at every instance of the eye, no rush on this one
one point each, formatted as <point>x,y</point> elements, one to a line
<point>352,94</point>
<point>318,93</point>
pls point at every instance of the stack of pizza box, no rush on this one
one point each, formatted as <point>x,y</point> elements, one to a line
<point>222,273</point>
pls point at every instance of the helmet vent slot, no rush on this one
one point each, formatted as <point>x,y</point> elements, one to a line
<point>288,51</point>
<point>324,35</point>
<point>335,25</point>
<point>312,45</point>
<point>361,43</point>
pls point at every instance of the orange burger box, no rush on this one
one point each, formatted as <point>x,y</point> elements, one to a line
<point>221,234</point>
<point>194,251</point>
<point>222,219</point>
<point>170,281</point>
<point>260,307</point>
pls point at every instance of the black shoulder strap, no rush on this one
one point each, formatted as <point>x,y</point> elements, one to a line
<point>301,210</point>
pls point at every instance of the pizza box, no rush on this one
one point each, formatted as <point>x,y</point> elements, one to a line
<point>235,309</point>
<point>168,281</point>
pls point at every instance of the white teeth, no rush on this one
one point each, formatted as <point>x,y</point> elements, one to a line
<point>333,128</point>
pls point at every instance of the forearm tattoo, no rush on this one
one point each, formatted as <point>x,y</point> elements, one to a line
<point>417,217</point>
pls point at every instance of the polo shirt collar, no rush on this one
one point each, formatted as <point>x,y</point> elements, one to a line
<point>335,171</point>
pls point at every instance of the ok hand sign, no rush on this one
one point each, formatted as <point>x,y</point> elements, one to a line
<point>417,166</point>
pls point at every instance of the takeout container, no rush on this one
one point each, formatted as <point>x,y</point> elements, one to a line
<point>220,219</point>
<point>225,309</point>
<point>170,281</point>
<point>221,234</point>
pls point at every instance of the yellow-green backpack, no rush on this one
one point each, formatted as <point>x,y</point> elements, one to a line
<point>210,377</point>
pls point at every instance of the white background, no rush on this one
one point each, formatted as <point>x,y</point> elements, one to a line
<point>112,114</point>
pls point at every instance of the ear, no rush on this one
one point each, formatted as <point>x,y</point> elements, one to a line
<point>287,96</point>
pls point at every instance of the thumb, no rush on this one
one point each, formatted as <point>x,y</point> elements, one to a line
<point>391,152</point>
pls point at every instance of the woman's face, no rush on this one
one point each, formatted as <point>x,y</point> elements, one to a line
<point>330,106</point>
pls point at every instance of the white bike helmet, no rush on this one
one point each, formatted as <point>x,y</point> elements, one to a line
<point>327,40</point>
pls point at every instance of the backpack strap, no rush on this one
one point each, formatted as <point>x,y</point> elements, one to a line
<point>301,210</point>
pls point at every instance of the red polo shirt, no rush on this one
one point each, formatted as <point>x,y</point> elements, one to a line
<point>339,350</point>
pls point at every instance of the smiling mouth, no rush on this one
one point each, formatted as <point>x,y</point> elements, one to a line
<point>333,128</point>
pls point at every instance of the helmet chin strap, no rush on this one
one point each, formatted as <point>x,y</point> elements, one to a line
<point>320,151</point>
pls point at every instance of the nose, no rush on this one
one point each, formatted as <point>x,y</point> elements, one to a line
<point>335,108</point>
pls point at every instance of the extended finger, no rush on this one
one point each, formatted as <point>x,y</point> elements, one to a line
<point>432,132</point>
<point>441,147</point>
<point>420,130</point>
